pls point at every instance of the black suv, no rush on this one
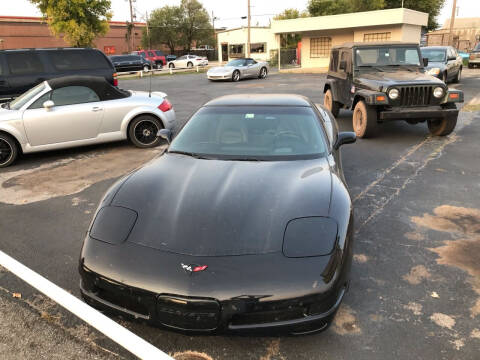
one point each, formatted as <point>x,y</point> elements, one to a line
<point>387,81</point>
<point>22,69</point>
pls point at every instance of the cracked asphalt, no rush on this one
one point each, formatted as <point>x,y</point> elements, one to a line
<point>415,289</point>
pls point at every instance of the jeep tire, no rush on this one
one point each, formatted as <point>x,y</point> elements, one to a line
<point>364,120</point>
<point>331,104</point>
<point>443,127</point>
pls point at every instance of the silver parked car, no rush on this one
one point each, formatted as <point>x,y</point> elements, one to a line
<point>239,69</point>
<point>80,110</point>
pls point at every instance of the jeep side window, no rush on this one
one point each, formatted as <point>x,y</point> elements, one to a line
<point>334,61</point>
<point>344,57</point>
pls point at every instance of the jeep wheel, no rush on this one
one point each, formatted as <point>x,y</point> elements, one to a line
<point>330,104</point>
<point>364,120</point>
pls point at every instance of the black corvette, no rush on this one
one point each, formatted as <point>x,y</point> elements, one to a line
<point>244,223</point>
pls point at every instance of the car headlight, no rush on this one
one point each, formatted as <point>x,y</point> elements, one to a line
<point>310,236</point>
<point>113,224</point>
<point>438,92</point>
<point>393,94</point>
<point>433,71</point>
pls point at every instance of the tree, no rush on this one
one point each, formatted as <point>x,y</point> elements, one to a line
<point>195,24</point>
<point>334,7</point>
<point>432,7</point>
<point>81,21</point>
<point>164,28</point>
<point>290,40</point>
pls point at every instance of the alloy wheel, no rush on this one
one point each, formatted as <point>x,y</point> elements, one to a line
<point>263,73</point>
<point>236,76</point>
<point>146,132</point>
<point>6,152</point>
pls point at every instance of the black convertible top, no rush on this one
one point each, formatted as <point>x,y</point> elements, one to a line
<point>102,87</point>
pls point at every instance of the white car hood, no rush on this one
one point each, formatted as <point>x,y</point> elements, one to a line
<point>221,69</point>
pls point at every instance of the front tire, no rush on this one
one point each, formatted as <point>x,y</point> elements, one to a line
<point>263,73</point>
<point>189,65</point>
<point>443,127</point>
<point>236,76</point>
<point>331,104</point>
<point>171,66</point>
<point>146,68</point>
<point>458,77</point>
<point>143,130</point>
<point>8,150</point>
<point>364,120</point>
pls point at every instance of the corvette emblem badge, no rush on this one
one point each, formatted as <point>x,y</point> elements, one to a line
<point>191,268</point>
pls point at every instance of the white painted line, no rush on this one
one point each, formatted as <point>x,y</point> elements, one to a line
<point>125,338</point>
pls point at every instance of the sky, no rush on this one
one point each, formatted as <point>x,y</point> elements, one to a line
<point>228,12</point>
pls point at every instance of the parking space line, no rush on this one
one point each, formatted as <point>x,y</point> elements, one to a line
<point>122,336</point>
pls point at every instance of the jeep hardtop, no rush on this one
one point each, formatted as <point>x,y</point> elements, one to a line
<point>387,81</point>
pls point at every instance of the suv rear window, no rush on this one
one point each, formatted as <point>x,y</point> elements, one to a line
<point>77,60</point>
<point>24,63</point>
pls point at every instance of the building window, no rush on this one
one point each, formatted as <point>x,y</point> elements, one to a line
<point>236,50</point>
<point>258,48</point>
<point>383,36</point>
<point>320,47</point>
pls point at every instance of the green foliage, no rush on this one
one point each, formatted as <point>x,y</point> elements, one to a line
<point>290,14</point>
<point>179,25</point>
<point>432,7</point>
<point>81,21</point>
<point>163,27</point>
<point>334,7</point>
<point>195,24</point>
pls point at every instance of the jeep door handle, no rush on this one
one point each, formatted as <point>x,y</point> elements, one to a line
<point>97,108</point>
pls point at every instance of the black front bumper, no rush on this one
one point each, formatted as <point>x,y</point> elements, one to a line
<point>209,315</point>
<point>417,113</point>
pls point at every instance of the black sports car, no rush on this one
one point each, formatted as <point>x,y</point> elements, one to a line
<point>245,222</point>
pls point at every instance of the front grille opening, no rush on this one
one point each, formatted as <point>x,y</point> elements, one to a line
<point>123,299</point>
<point>264,317</point>
<point>416,95</point>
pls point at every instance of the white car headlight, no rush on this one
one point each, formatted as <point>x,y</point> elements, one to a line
<point>438,92</point>
<point>393,94</point>
<point>433,71</point>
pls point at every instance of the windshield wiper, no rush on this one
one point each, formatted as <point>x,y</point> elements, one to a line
<point>243,159</point>
<point>401,66</point>
<point>191,154</point>
<point>370,66</point>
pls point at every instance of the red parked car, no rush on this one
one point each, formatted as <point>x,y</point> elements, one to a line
<point>152,55</point>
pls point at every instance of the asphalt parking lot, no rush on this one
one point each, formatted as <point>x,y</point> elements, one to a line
<point>415,289</point>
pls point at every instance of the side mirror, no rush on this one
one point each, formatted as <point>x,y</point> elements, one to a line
<point>343,65</point>
<point>48,104</point>
<point>425,61</point>
<point>165,134</point>
<point>345,137</point>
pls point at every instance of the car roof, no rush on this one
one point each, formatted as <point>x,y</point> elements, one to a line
<point>373,43</point>
<point>435,47</point>
<point>100,85</point>
<point>260,100</point>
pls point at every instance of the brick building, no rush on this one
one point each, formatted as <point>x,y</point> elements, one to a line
<point>466,34</point>
<point>32,32</point>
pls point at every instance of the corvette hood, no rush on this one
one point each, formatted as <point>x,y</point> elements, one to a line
<point>221,69</point>
<point>6,114</point>
<point>379,80</point>
<point>214,207</point>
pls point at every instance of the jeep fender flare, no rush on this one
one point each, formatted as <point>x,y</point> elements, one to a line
<point>332,85</point>
<point>368,96</point>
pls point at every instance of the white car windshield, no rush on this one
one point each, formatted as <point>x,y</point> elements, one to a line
<point>236,62</point>
<point>26,97</point>
<point>263,133</point>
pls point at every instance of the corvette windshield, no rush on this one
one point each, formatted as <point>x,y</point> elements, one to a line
<point>386,56</point>
<point>236,62</point>
<point>26,97</point>
<point>252,133</point>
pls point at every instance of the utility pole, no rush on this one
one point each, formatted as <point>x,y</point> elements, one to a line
<point>248,31</point>
<point>132,34</point>
<point>148,30</point>
<point>452,21</point>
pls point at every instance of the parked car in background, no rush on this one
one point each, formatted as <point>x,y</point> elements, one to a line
<point>258,211</point>
<point>239,69</point>
<point>22,69</point>
<point>170,57</point>
<point>126,63</point>
<point>80,110</point>
<point>188,61</point>
<point>156,57</point>
<point>443,62</point>
<point>474,58</point>
<point>386,81</point>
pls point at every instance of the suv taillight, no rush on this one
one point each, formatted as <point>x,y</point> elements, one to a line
<point>115,80</point>
<point>165,105</point>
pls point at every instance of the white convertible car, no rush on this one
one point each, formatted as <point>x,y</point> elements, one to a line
<point>80,110</point>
